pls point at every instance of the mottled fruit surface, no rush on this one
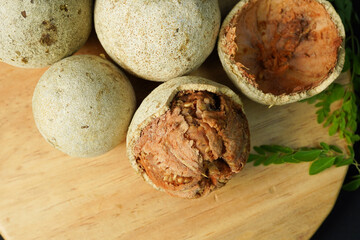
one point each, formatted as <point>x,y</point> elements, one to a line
<point>38,33</point>
<point>82,105</point>
<point>157,40</point>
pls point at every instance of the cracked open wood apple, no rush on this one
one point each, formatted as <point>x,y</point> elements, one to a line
<point>279,51</point>
<point>189,137</point>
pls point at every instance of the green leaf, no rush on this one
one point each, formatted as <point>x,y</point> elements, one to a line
<point>337,93</point>
<point>341,134</point>
<point>348,96</point>
<point>268,148</point>
<point>290,159</point>
<point>320,111</point>
<point>351,151</point>
<point>271,159</point>
<point>342,125</point>
<point>335,149</point>
<point>352,185</point>
<point>348,139</point>
<point>352,126</point>
<point>307,156</point>
<point>325,146</point>
<point>278,160</point>
<point>310,100</point>
<point>282,149</point>
<point>326,108</point>
<point>319,104</point>
<point>341,161</point>
<point>320,117</point>
<point>252,157</point>
<point>259,150</point>
<point>259,160</point>
<point>347,106</point>
<point>355,138</point>
<point>321,164</point>
<point>329,120</point>
<point>334,128</point>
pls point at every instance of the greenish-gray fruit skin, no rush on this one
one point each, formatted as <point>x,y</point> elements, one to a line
<point>38,33</point>
<point>157,40</point>
<point>82,105</point>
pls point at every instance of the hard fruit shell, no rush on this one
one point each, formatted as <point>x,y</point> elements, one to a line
<point>83,105</point>
<point>36,34</point>
<point>240,80</point>
<point>159,101</point>
<point>158,40</point>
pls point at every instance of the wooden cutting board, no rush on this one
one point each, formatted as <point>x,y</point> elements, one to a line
<point>45,194</point>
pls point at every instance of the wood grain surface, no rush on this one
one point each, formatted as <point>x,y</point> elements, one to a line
<point>45,194</point>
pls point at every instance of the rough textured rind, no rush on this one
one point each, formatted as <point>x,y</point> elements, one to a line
<point>83,105</point>
<point>158,102</point>
<point>38,33</point>
<point>158,40</point>
<point>267,98</point>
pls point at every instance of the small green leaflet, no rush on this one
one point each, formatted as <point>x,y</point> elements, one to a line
<point>307,155</point>
<point>339,162</point>
<point>322,158</point>
<point>341,120</point>
<point>352,185</point>
<point>321,164</point>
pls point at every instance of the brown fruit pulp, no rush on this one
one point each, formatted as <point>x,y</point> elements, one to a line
<point>283,46</point>
<point>196,146</point>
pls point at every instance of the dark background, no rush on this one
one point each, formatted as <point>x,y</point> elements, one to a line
<point>343,223</point>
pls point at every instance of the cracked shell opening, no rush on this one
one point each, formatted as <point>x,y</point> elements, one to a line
<point>196,146</point>
<point>283,46</point>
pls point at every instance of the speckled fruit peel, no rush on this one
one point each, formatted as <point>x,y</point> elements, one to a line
<point>157,40</point>
<point>82,105</point>
<point>189,137</point>
<point>279,52</point>
<point>35,34</point>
